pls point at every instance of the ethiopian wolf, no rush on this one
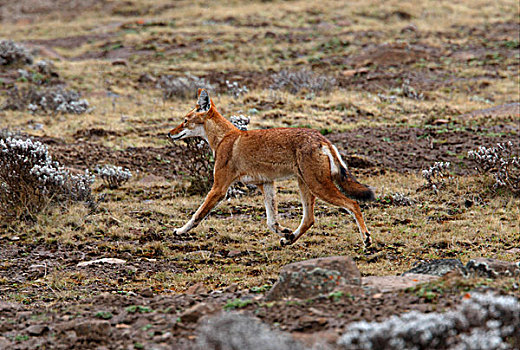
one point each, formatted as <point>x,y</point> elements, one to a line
<point>261,157</point>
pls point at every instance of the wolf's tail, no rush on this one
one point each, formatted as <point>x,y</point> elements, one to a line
<point>350,187</point>
<point>347,183</point>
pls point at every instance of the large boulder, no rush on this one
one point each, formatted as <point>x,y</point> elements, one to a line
<point>310,278</point>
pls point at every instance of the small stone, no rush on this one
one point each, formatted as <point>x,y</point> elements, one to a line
<point>101,261</point>
<point>234,253</point>
<point>197,288</point>
<point>15,238</point>
<point>165,336</point>
<point>37,329</point>
<point>232,288</point>
<point>146,78</point>
<point>197,311</point>
<point>147,293</point>
<point>37,267</point>
<point>120,62</point>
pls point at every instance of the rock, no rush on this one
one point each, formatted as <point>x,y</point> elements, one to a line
<point>311,278</point>
<point>391,283</point>
<point>146,78</point>
<point>310,322</point>
<point>37,329</point>
<point>438,267</point>
<point>40,268</point>
<point>352,72</point>
<point>197,288</point>
<point>96,330</point>
<point>493,268</point>
<point>15,238</point>
<point>197,311</point>
<point>120,62</point>
<point>232,288</point>
<point>146,292</point>
<point>234,253</point>
<point>101,261</point>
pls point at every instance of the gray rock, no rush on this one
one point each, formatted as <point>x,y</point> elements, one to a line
<point>37,329</point>
<point>310,278</point>
<point>493,268</point>
<point>197,311</point>
<point>438,267</point>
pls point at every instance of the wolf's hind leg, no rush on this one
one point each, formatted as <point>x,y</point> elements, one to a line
<point>308,201</point>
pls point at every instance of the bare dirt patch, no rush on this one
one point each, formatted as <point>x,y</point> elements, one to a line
<point>414,149</point>
<point>159,161</point>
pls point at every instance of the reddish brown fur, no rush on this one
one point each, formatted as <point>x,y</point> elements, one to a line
<point>264,156</point>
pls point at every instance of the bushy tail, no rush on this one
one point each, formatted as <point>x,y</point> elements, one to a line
<point>350,187</point>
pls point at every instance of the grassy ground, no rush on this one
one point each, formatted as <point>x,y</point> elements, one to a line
<point>461,56</point>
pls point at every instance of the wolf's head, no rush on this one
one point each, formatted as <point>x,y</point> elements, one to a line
<point>193,124</point>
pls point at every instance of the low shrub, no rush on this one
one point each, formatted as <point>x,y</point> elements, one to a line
<point>182,87</point>
<point>12,53</point>
<point>113,176</point>
<point>501,162</point>
<point>47,100</point>
<point>302,80</point>
<point>235,89</point>
<point>30,180</point>
<point>436,175</point>
<point>482,321</point>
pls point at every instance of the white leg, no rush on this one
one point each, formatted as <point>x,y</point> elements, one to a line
<point>269,192</point>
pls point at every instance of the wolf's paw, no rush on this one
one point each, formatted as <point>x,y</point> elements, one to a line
<point>284,242</point>
<point>287,240</point>
<point>285,230</point>
<point>368,240</point>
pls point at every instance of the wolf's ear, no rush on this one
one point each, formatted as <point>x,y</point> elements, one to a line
<point>203,102</point>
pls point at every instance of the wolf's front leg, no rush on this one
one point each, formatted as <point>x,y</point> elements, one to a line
<point>269,191</point>
<point>214,196</point>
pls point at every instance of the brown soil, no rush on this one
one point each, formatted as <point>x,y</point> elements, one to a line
<point>159,161</point>
<point>414,149</point>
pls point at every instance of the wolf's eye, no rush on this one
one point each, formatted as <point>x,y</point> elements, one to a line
<point>185,120</point>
